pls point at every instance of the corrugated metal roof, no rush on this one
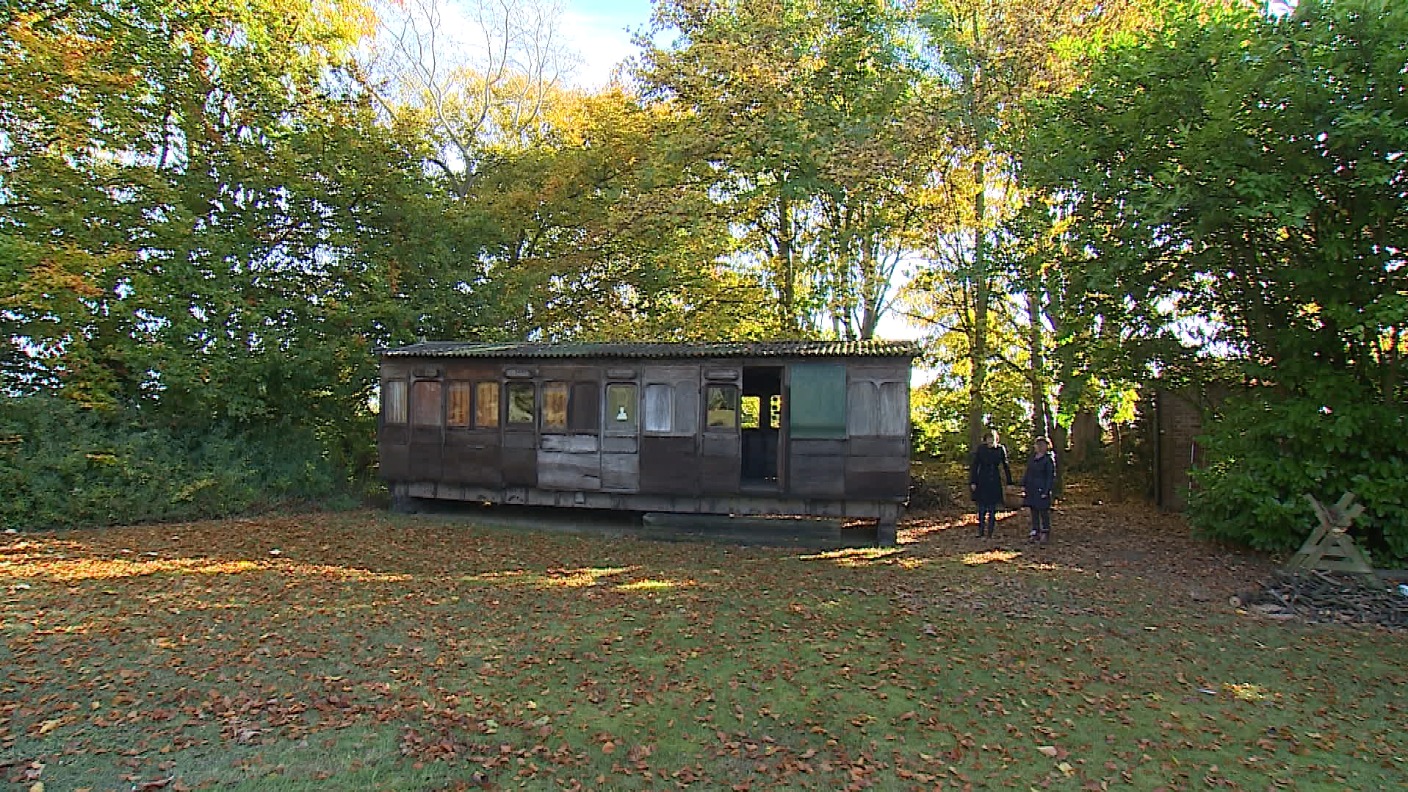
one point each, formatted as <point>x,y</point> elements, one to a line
<point>721,349</point>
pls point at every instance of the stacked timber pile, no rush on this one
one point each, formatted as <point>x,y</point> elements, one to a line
<point>1321,597</point>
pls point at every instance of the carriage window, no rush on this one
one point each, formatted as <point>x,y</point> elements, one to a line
<point>621,408</point>
<point>584,408</point>
<point>393,401</point>
<point>752,407</point>
<point>721,406</point>
<point>457,404</point>
<point>425,403</point>
<point>486,405</point>
<point>555,405</point>
<point>520,403</point>
<point>818,407</point>
<point>659,408</point>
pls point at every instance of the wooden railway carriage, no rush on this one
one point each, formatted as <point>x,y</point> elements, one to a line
<point>797,428</point>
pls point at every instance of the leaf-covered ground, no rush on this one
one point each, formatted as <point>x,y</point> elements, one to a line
<point>371,651</point>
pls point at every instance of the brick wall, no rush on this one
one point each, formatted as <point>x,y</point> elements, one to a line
<point>1178,422</point>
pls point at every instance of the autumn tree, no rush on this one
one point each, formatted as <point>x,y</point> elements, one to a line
<point>984,59</point>
<point>201,223</point>
<point>802,126</point>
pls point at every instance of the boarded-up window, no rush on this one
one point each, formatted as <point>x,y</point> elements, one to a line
<point>818,408</point>
<point>878,409</point>
<point>659,407</point>
<point>520,403</point>
<point>457,398</point>
<point>894,409</point>
<point>721,407</point>
<point>425,403</point>
<point>622,409</point>
<point>584,408</point>
<point>486,404</point>
<point>393,401</point>
<point>555,406</point>
<point>863,417</point>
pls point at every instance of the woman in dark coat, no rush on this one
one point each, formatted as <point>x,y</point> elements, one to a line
<point>1037,484</point>
<point>985,482</point>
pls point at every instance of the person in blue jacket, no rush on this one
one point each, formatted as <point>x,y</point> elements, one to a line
<point>985,475</point>
<point>1037,484</point>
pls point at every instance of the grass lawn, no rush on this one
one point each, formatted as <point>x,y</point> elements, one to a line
<point>372,651</point>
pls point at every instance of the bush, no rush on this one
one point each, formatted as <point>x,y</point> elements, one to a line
<point>64,466</point>
<point>1267,451</point>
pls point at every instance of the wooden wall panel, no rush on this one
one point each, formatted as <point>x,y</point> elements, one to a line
<point>520,439</point>
<point>893,447</point>
<point>720,444</point>
<point>569,443</point>
<point>520,467</point>
<point>833,448</point>
<point>395,461</point>
<point>719,475</point>
<point>862,408</point>
<point>877,486</point>
<point>620,472</point>
<point>620,445</point>
<point>569,471</point>
<point>425,462</point>
<point>817,476</point>
<point>472,458</point>
<point>669,466</point>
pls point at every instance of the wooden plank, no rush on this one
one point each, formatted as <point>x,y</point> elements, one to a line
<point>620,472</point>
<point>877,371</point>
<point>569,471</point>
<point>669,466</point>
<point>897,447</point>
<point>818,448</point>
<point>571,443</point>
<point>877,485</point>
<point>620,445</point>
<point>890,464</point>
<point>823,476</point>
<point>724,444</point>
<point>472,370</point>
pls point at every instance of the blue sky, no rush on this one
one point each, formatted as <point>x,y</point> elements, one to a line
<point>599,30</point>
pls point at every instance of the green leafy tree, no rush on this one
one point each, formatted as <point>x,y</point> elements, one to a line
<point>1249,172</point>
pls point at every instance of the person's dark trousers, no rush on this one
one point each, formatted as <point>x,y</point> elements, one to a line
<point>987,519</point>
<point>1041,525</point>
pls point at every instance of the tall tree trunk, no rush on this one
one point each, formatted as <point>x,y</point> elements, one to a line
<point>1036,349</point>
<point>787,271</point>
<point>977,404</point>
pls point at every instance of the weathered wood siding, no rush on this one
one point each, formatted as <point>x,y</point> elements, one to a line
<point>852,446</point>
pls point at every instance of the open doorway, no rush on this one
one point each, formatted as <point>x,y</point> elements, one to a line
<point>760,420</point>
